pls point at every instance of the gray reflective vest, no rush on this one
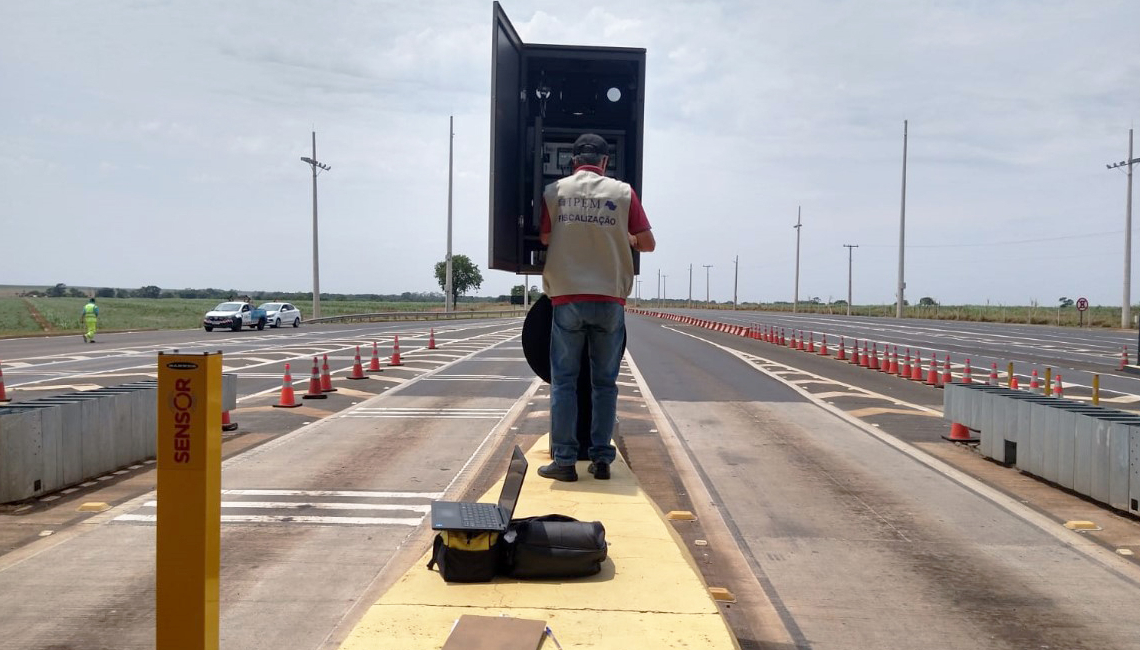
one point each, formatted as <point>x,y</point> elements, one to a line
<point>589,237</point>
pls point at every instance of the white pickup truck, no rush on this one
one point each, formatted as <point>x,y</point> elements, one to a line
<point>234,315</point>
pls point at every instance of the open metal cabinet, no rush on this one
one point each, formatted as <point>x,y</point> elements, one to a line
<point>542,98</point>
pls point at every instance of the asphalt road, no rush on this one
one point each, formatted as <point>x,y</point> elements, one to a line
<point>845,515</point>
<point>1076,354</point>
<point>861,540</point>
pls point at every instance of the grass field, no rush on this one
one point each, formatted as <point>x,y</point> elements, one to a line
<point>1094,317</point>
<point>63,314</point>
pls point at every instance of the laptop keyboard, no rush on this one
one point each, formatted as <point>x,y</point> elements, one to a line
<point>480,515</point>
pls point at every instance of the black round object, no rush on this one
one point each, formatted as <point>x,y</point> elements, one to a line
<point>536,336</point>
<point>536,349</point>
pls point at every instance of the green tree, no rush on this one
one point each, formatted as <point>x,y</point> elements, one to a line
<point>105,292</point>
<point>927,301</point>
<point>58,291</point>
<point>465,275</point>
<point>149,291</point>
<point>75,293</point>
<point>1066,302</point>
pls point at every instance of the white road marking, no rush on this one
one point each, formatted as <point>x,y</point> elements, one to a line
<point>295,519</point>
<point>335,493</point>
<point>317,505</point>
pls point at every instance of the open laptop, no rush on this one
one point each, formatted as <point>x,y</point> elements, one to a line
<point>466,515</point>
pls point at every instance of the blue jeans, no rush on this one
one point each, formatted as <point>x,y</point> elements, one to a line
<point>602,325</point>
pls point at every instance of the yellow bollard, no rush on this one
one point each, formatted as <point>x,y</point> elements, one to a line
<point>1096,390</point>
<point>1048,382</point>
<point>188,538</point>
<point>1009,376</point>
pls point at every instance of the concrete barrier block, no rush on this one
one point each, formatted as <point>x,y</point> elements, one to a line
<point>1065,439</point>
<point>51,446</point>
<point>20,453</point>
<point>1119,470</point>
<point>1134,472</point>
<point>229,391</point>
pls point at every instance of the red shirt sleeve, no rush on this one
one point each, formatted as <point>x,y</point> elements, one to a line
<point>638,222</point>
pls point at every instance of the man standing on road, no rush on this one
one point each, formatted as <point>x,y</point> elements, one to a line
<point>90,319</point>
<point>589,223</point>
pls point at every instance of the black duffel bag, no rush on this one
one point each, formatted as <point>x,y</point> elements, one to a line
<point>553,546</point>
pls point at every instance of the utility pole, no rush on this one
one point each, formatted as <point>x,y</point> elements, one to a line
<point>690,286</point>
<point>902,234</point>
<point>526,292</point>
<point>796,295</point>
<point>707,267</point>
<point>316,259</point>
<point>735,280</point>
<point>448,301</point>
<point>850,248</point>
<point>637,293</point>
<point>1126,309</point>
<point>658,287</point>
<point>663,296</point>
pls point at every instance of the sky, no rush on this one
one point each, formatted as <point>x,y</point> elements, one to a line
<point>157,142</point>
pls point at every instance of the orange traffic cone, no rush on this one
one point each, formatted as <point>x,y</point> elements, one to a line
<point>326,377</point>
<point>905,371</point>
<point>287,399</point>
<point>811,342</point>
<point>875,357</point>
<point>1033,383</point>
<point>916,370</point>
<point>894,369</point>
<point>1013,383</point>
<point>1123,358</point>
<point>315,391</point>
<point>932,373</point>
<point>357,369</point>
<point>841,351</point>
<point>967,374</point>
<point>855,357</point>
<point>887,360</point>
<point>431,339</point>
<point>947,375</point>
<point>993,378</point>
<point>865,359</point>
<point>959,433</point>
<point>227,424</point>
<point>823,348</point>
<point>395,361</point>
<point>1057,390</point>
<point>3,396</point>
<point>374,363</point>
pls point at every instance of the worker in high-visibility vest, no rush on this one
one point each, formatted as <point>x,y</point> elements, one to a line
<point>90,319</point>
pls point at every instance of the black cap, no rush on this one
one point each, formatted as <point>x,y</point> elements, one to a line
<point>590,143</point>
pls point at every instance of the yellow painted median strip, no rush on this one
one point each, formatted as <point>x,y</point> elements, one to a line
<point>648,595</point>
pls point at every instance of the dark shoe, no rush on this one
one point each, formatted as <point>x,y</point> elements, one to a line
<point>601,470</point>
<point>559,472</point>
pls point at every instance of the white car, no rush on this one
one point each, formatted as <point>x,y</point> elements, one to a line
<point>278,313</point>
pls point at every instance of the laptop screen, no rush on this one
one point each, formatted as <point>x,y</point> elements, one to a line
<point>512,484</point>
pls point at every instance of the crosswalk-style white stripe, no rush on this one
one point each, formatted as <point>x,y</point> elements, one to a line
<point>438,413</point>
<point>318,512</point>
<point>335,493</point>
<point>295,519</point>
<point>267,505</point>
<point>476,378</point>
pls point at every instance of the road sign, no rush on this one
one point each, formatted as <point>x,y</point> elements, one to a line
<point>1082,304</point>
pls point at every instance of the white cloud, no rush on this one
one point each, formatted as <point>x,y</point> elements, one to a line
<point>195,116</point>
